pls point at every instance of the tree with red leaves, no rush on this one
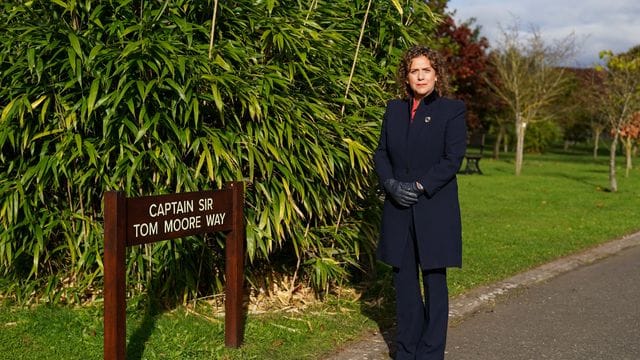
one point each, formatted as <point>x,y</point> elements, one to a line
<point>629,132</point>
<point>467,62</point>
<point>465,52</point>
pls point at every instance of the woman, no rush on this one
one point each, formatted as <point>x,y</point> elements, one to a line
<point>421,147</point>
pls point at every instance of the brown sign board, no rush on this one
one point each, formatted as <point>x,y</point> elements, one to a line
<point>147,219</point>
<point>165,217</point>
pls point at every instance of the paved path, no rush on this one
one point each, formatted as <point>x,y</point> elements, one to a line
<point>589,313</point>
<point>585,306</point>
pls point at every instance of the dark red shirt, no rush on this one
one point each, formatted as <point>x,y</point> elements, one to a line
<point>414,108</point>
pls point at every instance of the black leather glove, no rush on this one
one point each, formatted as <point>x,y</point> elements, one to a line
<point>413,187</point>
<point>402,192</point>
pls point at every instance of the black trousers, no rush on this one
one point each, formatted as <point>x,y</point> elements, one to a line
<point>421,320</point>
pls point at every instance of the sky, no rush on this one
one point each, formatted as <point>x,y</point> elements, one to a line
<point>598,25</point>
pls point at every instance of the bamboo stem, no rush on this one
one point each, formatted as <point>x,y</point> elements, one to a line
<point>355,58</point>
<point>213,26</point>
<point>314,4</point>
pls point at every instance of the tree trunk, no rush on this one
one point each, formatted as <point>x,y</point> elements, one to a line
<point>521,126</point>
<point>499,139</point>
<point>596,142</point>
<point>628,146</point>
<point>613,183</point>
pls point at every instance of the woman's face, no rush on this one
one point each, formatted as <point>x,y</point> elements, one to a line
<point>421,77</point>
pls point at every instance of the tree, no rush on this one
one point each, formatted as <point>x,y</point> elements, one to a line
<point>586,100</point>
<point>500,125</point>
<point>629,133</point>
<point>529,79</point>
<point>620,98</point>
<point>467,61</point>
<point>574,109</point>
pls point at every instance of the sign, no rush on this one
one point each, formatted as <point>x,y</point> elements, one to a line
<point>147,219</point>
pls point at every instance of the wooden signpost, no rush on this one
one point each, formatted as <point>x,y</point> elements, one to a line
<point>143,220</point>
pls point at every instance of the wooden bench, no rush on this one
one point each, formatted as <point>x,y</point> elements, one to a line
<point>475,148</point>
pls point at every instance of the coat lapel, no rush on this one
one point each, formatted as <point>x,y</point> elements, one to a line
<point>422,120</point>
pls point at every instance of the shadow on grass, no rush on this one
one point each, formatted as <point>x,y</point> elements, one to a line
<point>378,303</point>
<point>154,308</point>
<point>138,339</point>
<point>580,179</point>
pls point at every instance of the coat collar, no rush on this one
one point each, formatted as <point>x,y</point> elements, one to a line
<point>422,118</point>
<point>426,100</point>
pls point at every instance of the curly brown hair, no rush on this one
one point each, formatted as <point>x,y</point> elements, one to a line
<point>437,62</point>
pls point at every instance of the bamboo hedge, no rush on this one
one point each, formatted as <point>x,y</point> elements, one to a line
<point>122,95</point>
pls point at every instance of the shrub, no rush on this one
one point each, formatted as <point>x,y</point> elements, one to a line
<point>541,135</point>
<point>122,95</point>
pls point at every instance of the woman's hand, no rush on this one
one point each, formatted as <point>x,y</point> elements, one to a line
<point>403,193</point>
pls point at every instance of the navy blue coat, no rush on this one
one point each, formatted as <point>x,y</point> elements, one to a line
<point>428,150</point>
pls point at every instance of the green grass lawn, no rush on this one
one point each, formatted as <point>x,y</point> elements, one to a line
<point>559,205</point>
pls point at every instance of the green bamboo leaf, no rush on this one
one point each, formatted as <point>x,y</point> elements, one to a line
<point>177,88</point>
<point>182,66</point>
<point>131,106</point>
<point>281,206</point>
<point>93,94</point>
<point>78,140</point>
<point>166,61</point>
<point>218,148</point>
<point>36,103</point>
<point>220,62</point>
<point>264,220</point>
<point>270,5</point>
<point>209,160</point>
<point>47,133</point>
<point>196,109</point>
<point>251,241</point>
<point>71,54</point>
<point>91,151</point>
<point>201,160</point>
<point>121,93</point>
<point>149,87</point>
<point>141,90</point>
<point>251,161</point>
<point>131,47</point>
<point>31,58</point>
<point>95,51</point>
<point>75,44</point>
<point>7,110</point>
<point>37,248</point>
<point>216,96</point>
<point>396,3</point>
<point>61,3</point>
<point>274,151</point>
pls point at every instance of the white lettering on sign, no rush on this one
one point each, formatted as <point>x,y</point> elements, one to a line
<point>171,208</point>
<point>145,229</point>
<point>186,223</point>
<point>215,219</point>
<point>205,204</point>
<point>183,217</point>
